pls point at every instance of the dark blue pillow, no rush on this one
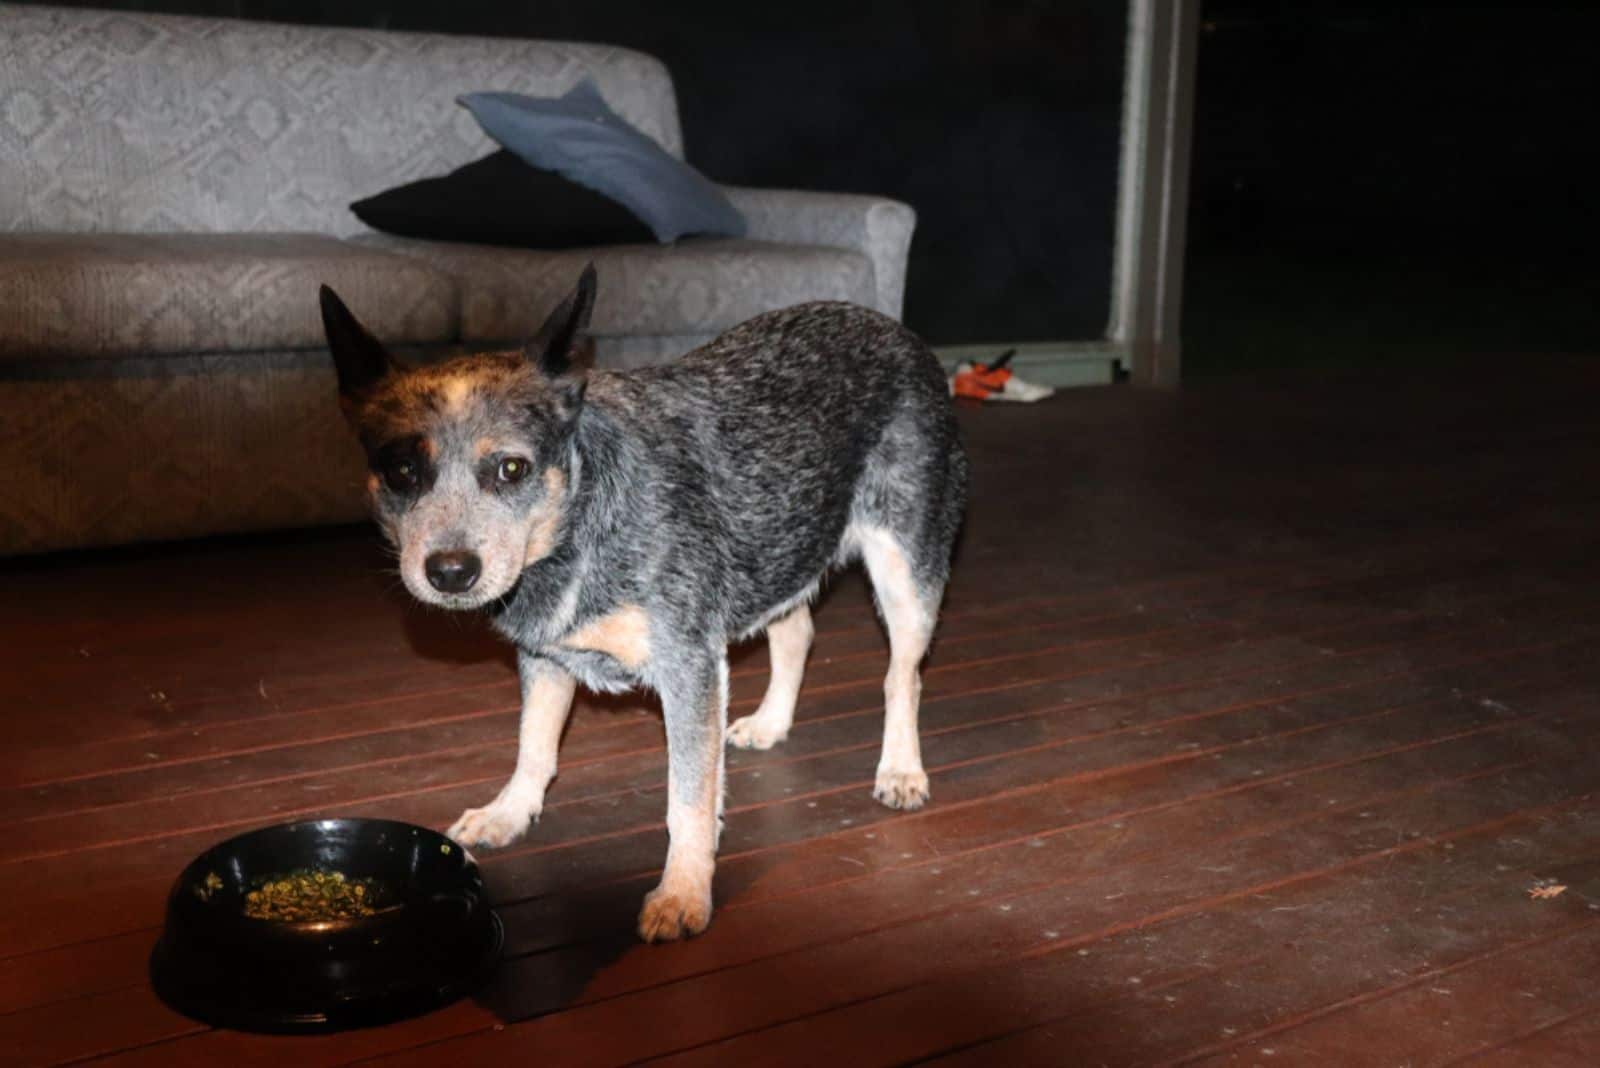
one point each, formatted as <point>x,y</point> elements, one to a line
<point>579,137</point>
<point>500,200</point>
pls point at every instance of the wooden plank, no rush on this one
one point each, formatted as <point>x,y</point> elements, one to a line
<point>881,961</point>
<point>1477,1007</point>
<point>76,971</point>
<point>61,915</point>
<point>1079,999</point>
<point>1049,664</point>
<point>218,727</point>
<point>1570,1040</point>
<point>36,978</point>
<point>1150,1026</point>
<point>1452,1011</point>
<point>85,1027</point>
<point>833,666</point>
<point>840,971</point>
<point>447,809</point>
<point>173,721</point>
<point>471,747</point>
<point>181,730</point>
<point>148,638</point>
<point>754,874</point>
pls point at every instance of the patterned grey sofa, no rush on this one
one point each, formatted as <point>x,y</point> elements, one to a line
<point>173,190</point>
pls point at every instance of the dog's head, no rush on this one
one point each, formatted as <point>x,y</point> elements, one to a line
<point>469,459</point>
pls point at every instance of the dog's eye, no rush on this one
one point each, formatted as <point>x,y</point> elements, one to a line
<point>513,469</point>
<point>401,475</point>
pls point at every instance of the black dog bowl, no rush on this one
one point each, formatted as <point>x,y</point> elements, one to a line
<point>431,938</point>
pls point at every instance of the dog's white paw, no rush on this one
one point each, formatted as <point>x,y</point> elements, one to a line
<point>902,789</point>
<point>752,732</point>
<point>491,826</point>
<point>671,913</point>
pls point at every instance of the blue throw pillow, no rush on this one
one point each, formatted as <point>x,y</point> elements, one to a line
<point>579,137</point>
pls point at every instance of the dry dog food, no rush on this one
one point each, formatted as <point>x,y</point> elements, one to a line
<point>311,895</point>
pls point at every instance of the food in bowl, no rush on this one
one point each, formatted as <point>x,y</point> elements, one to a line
<point>311,895</point>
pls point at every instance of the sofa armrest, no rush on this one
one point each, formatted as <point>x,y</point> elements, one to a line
<point>877,227</point>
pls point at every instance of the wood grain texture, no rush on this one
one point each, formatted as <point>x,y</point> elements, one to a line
<point>1254,715</point>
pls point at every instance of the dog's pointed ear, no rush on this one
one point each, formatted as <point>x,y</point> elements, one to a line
<point>569,390</point>
<point>561,339</point>
<point>362,362</point>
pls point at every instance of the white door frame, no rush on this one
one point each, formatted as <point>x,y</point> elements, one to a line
<point>1153,188</point>
<point>1142,335</point>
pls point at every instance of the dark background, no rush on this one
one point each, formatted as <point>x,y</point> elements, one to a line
<point>999,122</point>
<point>1372,182</point>
<point>1384,182</point>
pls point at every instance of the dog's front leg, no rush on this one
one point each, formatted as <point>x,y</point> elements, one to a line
<point>695,705</point>
<point>546,700</point>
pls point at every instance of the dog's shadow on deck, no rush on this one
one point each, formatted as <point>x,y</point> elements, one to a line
<point>559,949</point>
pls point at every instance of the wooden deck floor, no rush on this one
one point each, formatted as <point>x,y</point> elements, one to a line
<point>1255,716</point>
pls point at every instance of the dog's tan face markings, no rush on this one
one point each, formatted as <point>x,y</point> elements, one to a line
<point>542,533</point>
<point>479,448</point>
<point>454,393</point>
<point>623,635</point>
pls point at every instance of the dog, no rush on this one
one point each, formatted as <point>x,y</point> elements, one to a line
<point>621,529</point>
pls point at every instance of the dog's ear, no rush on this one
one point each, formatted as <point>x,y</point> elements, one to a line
<point>560,342</point>
<point>358,357</point>
<point>569,390</point>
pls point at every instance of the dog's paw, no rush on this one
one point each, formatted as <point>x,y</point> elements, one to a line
<point>751,732</point>
<point>902,789</point>
<point>491,826</point>
<point>671,914</point>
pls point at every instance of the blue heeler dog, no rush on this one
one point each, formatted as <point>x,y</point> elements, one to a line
<point>622,529</point>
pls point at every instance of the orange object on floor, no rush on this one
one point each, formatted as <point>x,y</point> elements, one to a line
<point>980,381</point>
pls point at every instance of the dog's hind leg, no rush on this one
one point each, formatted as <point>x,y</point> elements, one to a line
<point>546,699</point>
<point>694,702</point>
<point>908,614</point>
<point>788,642</point>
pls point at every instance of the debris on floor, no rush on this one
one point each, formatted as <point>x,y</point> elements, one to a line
<point>995,382</point>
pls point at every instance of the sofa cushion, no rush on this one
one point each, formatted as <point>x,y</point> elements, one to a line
<point>578,136</point>
<point>119,294</point>
<point>500,200</point>
<point>701,286</point>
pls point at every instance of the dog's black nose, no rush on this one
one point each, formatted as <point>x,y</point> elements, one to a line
<point>452,572</point>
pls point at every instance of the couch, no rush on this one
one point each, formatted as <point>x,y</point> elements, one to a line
<point>172,192</point>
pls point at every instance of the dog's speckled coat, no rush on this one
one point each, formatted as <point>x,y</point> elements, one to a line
<point>622,529</point>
